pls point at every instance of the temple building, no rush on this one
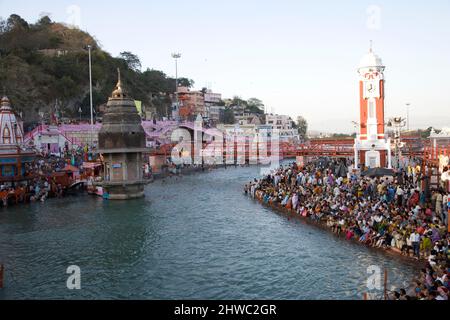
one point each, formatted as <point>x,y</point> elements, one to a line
<point>13,157</point>
<point>122,144</point>
<point>372,147</point>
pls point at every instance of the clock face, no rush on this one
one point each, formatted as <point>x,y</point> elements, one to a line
<point>371,89</point>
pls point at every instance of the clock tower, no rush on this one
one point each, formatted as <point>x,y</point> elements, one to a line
<point>371,144</point>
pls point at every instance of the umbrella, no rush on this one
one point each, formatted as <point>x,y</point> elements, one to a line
<point>378,172</point>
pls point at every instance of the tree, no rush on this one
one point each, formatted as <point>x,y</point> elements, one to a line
<point>237,101</point>
<point>45,21</point>
<point>255,103</point>
<point>2,25</point>
<point>302,126</point>
<point>157,82</point>
<point>425,134</point>
<point>132,60</point>
<point>228,116</point>
<point>185,82</point>
<point>16,22</point>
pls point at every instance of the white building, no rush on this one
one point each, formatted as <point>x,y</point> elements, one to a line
<point>212,98</point>
<point>284,125</point>
<point>212,108</point>
<point>49,139</point>
<point>247,119</point>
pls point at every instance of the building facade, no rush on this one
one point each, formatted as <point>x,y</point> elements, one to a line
<point>284,125</point>
<point>215,114</point>
<point>213,111</point>
<point>192,104</point>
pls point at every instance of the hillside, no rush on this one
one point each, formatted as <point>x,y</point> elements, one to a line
<point>48,61</point>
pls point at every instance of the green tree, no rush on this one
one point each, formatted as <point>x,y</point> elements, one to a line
<point>185,82</point>
<point>15,22</point>
<point>426,133</point>
<point>302,126</point>
<point>156,81</point>
<point>132,60</point>
<point>237,101</point>
<point>45,21</point>
<point>2,25</point>
<point>255,103</point>
<point>228,116</point>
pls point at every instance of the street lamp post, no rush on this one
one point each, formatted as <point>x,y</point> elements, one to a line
<point>90,93</point>
<point>176,56</point>
<point>397,123</point>
<point>355,156</point>
<point>407,115</point>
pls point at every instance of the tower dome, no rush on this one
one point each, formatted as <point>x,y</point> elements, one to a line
<point>371,60</point>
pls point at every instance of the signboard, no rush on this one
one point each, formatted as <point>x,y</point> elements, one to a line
<point>117,165</point>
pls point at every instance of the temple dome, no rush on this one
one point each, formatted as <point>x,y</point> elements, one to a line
<point>11,126</point>
<point>5,104</point>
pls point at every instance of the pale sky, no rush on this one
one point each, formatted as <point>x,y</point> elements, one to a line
<point>299,57</point>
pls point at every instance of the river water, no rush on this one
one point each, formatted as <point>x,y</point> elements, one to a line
<point>197,237</point>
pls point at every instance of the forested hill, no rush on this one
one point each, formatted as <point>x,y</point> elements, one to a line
<point>48,61</point>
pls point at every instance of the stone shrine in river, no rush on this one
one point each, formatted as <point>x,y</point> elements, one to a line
<point>121,141</point>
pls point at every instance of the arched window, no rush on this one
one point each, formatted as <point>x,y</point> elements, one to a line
<point>6,135</point>
<point>17,133</point>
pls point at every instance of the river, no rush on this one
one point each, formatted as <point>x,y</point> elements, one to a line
<point>195,237</point>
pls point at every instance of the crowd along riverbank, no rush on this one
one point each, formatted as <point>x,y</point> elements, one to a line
<point>380,213</point>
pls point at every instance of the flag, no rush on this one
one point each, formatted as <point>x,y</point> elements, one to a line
<point>138,106</point>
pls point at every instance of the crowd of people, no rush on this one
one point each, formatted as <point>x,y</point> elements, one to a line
<point>39,184</point>
<point>389,212</point>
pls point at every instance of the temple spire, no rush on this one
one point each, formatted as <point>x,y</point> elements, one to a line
<point>371,45</point>
<point>119,92</point>
<point>119,81</point>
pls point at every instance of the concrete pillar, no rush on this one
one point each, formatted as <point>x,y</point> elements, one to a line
<point>389,155</point>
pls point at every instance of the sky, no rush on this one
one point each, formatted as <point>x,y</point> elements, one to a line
<point>298,57</point>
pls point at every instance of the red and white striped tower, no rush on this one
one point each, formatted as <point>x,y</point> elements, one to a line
<point>372,147</point>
